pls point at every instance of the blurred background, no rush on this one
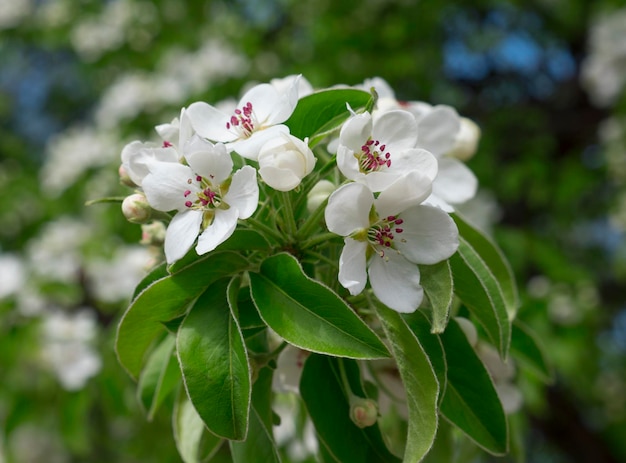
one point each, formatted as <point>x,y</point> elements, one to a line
<point>544,80</point>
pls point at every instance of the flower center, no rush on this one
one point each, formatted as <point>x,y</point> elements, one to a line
<point>373,156</point>
<point>382,233</point>
<point>208,196</point>
<point>243,122</point>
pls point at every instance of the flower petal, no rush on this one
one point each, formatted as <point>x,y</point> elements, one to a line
<point>352,274</point>
<point>397,129</point>
<point>209,122</point>
<point>269,105</point>
<point>416,159</point>
<point>347,163</point>
<point>437,130</point>
<point>279,179</point>
<point>395,282</point>
<point>243,194</point>
<point>222,227</point>
<point>348,209</point>
<point>407,191</point>
<point>181,233</point>
<point>210,161</point>
<point>356,131</point>
<point>166,184</point>
<point>455,183</point>
<point>249,148</point>
<point>429,235</point>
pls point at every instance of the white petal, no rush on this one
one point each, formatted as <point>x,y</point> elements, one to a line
<point>211,161</point>
<point>438,129</point>
<point>352,274</point>
<point>416,159</point>
<point>395,282</point>
<point>249,148</point>
<point>347,163</point>
<point>209,122</point>
<point>166,184</point>
<point>397,129</point>
<point>185,131</point>
<point>407,191</point>
<point>279,179</point>
<point>455,183</point>
<point>429,235</point>
<point>181,233</point>
<point>268,105</point>
<point>356,131</point>
<point>243,193</point>
<point>436,201</point>
<point>223,225</point>
<point>348,209</point>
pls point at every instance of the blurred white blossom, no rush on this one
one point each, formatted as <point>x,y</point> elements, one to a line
<point>12,12</point>
<point>603,71</point>
<point>66,346</point>
<point>13,274</point>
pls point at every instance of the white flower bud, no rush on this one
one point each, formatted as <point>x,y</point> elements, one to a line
<point>363,412</point>
<point>320,191</point>
<point>136,208</point>
<point>153,233</point>
<point>466,142</point>
<point>284,161</point>
<point>124,177</point>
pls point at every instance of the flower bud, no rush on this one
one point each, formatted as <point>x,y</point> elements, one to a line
<point>124,177</point>
<point>136,208</point>
<point>284,161</point>
<point>466,142</point>
<point>320,191</point>
<point>363,412</point>
<point>153,233</point>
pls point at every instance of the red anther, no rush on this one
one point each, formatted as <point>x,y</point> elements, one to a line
<point>188,203</point>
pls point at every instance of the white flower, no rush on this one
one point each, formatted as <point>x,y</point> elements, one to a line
<point>284,161</point>
<point>466,142</point>
<point>283,84</point>
<point>378,152</point>
<point>208,200</point>
<point>257,119</point>
<point>386,236</point>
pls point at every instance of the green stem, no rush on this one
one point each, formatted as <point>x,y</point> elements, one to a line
<point>322,238</point>
<point>287,213</point>
<point>265,229</point>
<point>311,222</point>
<point>344,379</point>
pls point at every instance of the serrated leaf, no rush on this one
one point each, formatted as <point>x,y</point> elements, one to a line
<point>479,290</point>
<point>495,260</point>
<point>471,402</point>
<point>194,443</point>
<point>439,288</point>
<point>159,377</point>
<point>308,314</point>
<point>165,300</point>
<point>431,343</point>
<point>530,351</point>
<point>322,111</point>
<point>214,364</point>
<point>419,380</point>
<point>323,393</point>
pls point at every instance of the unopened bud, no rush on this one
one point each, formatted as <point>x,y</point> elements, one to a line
<point>363,412</point>
<point>318,194</point>
<point>136,208</point>
<point>466,142</point>
<point>124,177</point>
<point>153,233</point>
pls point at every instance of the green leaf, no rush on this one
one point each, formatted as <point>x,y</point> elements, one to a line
<point>419,380</point>
<point>494,259</point>
<point>158,272</point>
<point>258,446</point>
<point>308,314</point>
<point>242,239</point>
<point>193,442</point>
<point>214,364</point>
<point>439,288</point>
<point>166,299</point>
<point>530,351</point>
<point>470,401</point>
<point>323,111</point>
<point>431,343</point>
<point>327,402</point>
<point>479,290</point>
<point>159,377</point>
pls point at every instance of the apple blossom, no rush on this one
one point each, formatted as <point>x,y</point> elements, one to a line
<point>284,161</point>
<point>385,236</point>
<point>378,152</point>
<point>208,199</point>
<point>257,119</point>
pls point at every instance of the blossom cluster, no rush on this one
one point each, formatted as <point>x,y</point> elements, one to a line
<point>398,176</point>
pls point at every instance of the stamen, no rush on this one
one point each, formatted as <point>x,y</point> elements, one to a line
<point>373,156</point>
<point>242,122</point>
